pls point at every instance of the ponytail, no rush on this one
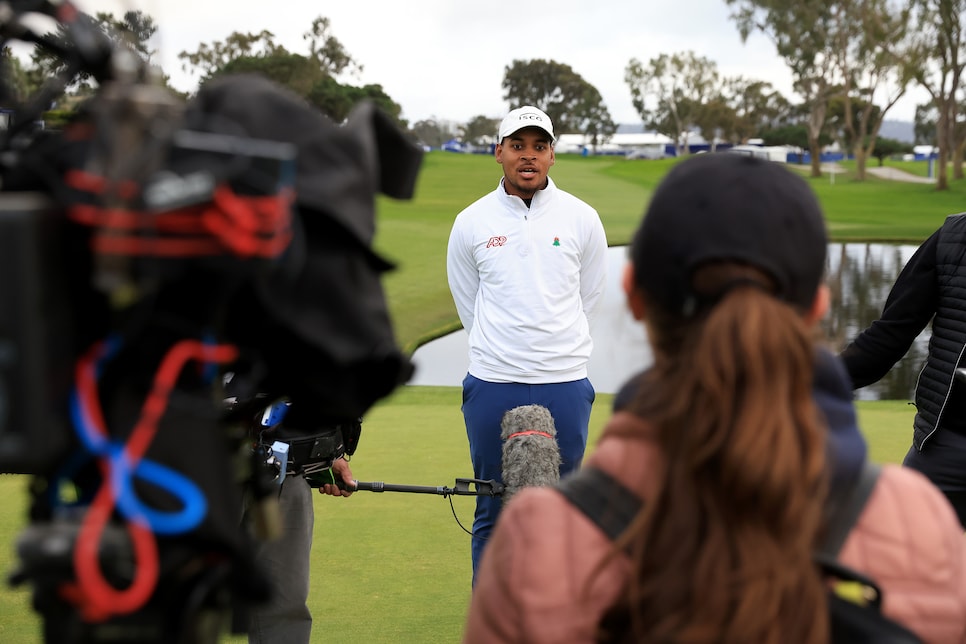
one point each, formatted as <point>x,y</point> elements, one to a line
<point>723,550</point>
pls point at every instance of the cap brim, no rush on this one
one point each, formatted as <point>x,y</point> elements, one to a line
<point>528,127</point>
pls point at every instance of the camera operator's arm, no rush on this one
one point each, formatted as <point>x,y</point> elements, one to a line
<point>340,470</point>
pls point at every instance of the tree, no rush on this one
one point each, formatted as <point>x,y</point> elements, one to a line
<point>757,107</point>
<point>133,31</point>
<point>433,132</point>
<point>480,130</point>
<point>593,119</point>
<point>670,91</point>
<point>842,111</point>
<point>21,81</point>
<point>885,148</point>
<point>869,47</point>
<point>209,58</point>
<point>326,53</point>
<point>737,109</point>
<point>816,92</point>
<point>313,76</point>
<point>301,75</point>
<point>716,120</point>
<point>795,135</point>
<point>294,71</point>
<point>924,125</point>
<point>573,104</point>
<point>326,50</point>
<point>337,100</point>
<point>801,31</point>
<point>936,62</point>
<point>49,78</point>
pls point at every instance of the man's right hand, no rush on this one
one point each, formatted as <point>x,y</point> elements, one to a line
<point>343,473</point>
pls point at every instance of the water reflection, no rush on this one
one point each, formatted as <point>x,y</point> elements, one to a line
<point>860,276</point>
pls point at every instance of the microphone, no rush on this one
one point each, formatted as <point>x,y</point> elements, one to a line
<point>531,456</point>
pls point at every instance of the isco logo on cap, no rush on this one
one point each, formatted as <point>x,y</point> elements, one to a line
<point>526,116</point>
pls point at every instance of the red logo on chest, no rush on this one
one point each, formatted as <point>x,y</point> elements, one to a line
<point>496,241</point>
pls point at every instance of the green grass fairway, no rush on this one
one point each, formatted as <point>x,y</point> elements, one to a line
<point>395,568</point>
<point>413,234</point>
<point>887,426</point>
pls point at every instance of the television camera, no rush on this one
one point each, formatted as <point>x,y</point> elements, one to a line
<point>148,247</point>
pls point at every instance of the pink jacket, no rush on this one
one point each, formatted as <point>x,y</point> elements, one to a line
<point>531,585</point>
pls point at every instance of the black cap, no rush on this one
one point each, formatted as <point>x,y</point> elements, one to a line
<point>725,206</point>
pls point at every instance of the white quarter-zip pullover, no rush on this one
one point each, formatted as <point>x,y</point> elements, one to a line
<point>527,283</point>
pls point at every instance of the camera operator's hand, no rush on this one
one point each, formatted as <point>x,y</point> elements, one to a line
<point>340,470</point>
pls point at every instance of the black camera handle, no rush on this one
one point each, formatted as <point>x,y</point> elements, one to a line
<point>463,487</point>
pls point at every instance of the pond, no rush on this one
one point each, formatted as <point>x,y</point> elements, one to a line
<point>860,276</point>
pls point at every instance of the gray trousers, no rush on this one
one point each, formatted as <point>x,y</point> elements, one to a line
<point>286,619</point>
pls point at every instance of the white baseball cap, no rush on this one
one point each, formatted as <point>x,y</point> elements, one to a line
<point>526,116</point>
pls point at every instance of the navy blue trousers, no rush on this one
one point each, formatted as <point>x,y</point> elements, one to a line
<point>484,404</point>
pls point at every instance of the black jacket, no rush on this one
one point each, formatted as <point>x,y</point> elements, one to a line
<point>931,286</point>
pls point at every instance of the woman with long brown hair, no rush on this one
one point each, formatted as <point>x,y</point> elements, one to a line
<point>738,439</point>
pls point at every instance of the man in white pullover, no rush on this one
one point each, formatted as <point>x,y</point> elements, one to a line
<point>526,266</point>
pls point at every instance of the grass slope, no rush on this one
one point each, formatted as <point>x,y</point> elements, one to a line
<point>413,234</point>
<point>394,568</point>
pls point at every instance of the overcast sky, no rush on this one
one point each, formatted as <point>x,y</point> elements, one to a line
<point>445,59</point>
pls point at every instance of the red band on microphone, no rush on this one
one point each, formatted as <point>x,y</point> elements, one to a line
<point>528,433</point>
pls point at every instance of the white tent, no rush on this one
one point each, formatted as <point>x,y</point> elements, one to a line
<point>640,144</point>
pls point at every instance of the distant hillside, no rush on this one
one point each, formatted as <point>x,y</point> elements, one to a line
<point>898,130</point>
